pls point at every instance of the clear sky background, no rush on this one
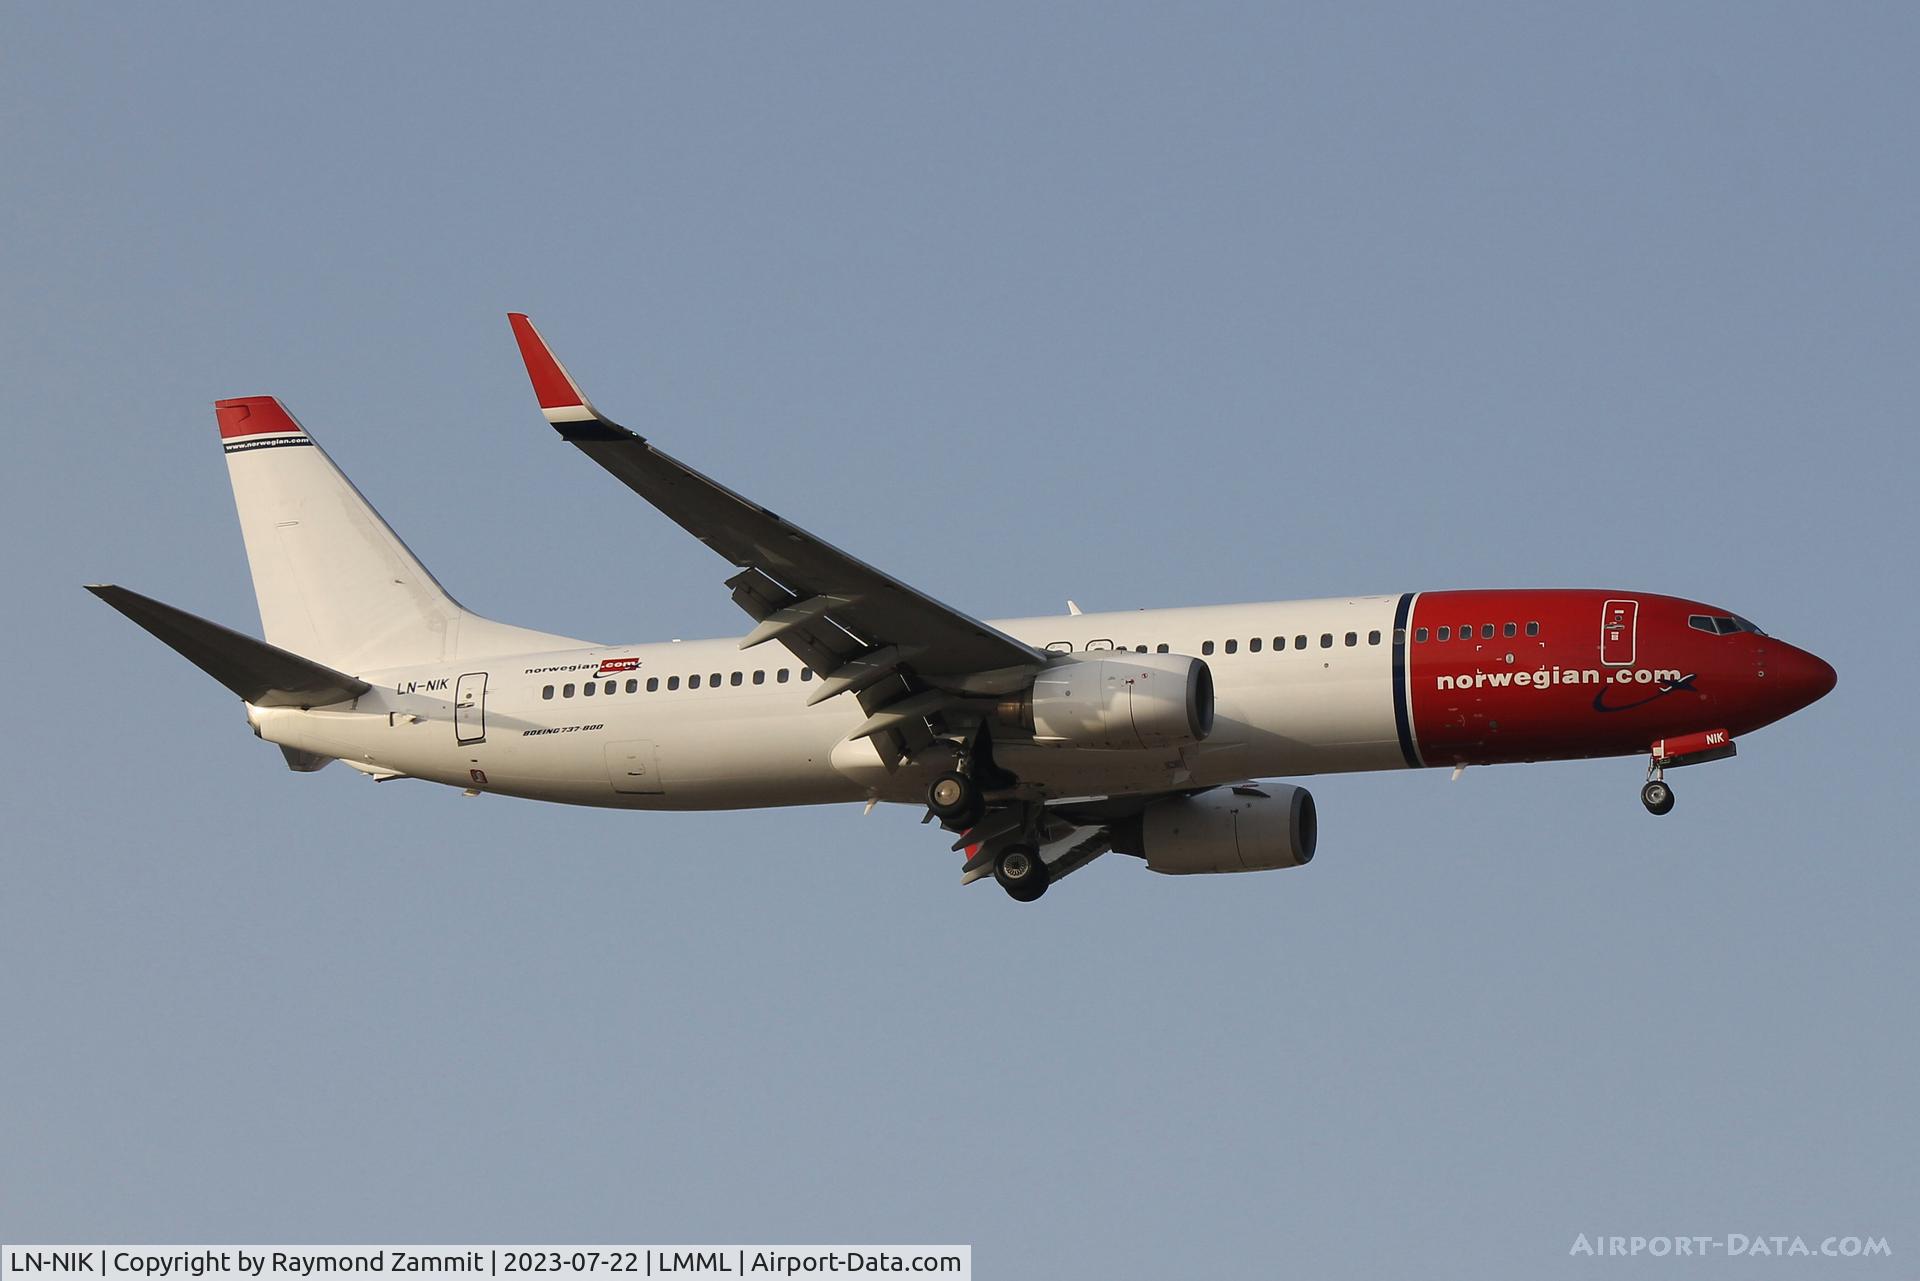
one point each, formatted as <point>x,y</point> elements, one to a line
<point>1149,305</point>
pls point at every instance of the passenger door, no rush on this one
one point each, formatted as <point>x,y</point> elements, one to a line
<point>470,708</point>
<point>1619,625</point>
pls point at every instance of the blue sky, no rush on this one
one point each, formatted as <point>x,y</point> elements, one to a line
<point>1141,305</point>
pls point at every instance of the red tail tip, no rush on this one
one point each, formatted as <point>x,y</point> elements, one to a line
<point>252,416</point>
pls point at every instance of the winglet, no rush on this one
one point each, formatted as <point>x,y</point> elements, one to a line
<point>561,399</point>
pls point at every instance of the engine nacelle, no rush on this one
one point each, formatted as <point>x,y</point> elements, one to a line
<point>1237,829</point>
<point>1120,700</point>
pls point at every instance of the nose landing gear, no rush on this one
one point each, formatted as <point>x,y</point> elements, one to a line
<point>1656,795</point>
<point>1672,753</point>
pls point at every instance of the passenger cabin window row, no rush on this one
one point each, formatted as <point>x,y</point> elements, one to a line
<point>1466,631</point>
<point>716,680</point>
<point>1718,624</point>
<point>1258,643</point>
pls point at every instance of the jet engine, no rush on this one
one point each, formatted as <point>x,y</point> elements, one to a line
<point>1236,829</point>
<point>1117,701</point>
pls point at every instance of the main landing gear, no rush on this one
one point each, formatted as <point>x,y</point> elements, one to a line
<point>955,800</point>
<point>1022,873</point>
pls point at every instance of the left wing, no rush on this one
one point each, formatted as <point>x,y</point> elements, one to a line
<point>918,667</point>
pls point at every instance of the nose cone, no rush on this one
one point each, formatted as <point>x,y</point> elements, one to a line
<point>1799,678</point>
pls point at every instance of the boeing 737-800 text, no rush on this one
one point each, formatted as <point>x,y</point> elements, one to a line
<point>1041,743</point>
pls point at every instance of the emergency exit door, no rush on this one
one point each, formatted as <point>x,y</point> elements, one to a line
<point>470,708</point>
<point>1619,622</point>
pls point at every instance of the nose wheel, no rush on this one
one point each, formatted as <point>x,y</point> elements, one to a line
<point>1656,796</point>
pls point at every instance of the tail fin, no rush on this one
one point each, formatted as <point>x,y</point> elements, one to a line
<point>334,583</point>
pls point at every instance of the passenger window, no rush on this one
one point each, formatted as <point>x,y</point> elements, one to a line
<point>611,687</point>
<point>1233,647</point>
<point>737,678</point>
<point>1373,638</point>
<point>806,673</point>
<point>1445,633</point>
<point>759,678</point>
<point>714,681</point>
<point>1253,646</point>
<point>588,690</point>
<point>1161,648</point>
<point>1206,647</point>
<point>1326,640</point>
<point>1279,642</point>
<point>673,682</point>
<point>547,692</point>
<point>780,677</point>
<point>1139,649</point>
<point>1533,629</point>
<point>1466,632</point>
<point>653,684</point>
<point>566,691</point>
<point>1353,638</point>
<point>1420,636</point>
<point>1299,642</point>
<point>1509,629</point>
<point>633,687</point>
<point>1400,636</point>
<point>693,681</point>
<point>1486,631</point>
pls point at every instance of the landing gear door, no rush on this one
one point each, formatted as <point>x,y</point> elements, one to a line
<point>470,708</point>
<point>1619,624</point>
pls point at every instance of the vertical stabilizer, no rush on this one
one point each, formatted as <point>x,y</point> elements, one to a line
<point>334,583</point>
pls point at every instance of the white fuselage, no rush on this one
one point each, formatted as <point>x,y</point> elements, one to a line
<point>523,725</point>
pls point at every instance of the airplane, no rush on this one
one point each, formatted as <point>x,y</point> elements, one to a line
<point>1038,744</point>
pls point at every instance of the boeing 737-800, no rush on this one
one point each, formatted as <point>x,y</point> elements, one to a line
<point>1040,743</point>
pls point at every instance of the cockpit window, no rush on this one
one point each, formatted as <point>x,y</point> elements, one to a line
<point>1721,624</point>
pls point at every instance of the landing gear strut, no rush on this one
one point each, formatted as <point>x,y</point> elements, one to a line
<point>1021,873</point>
<point>955,800</point>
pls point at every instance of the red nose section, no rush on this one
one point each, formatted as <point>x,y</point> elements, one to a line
<point>1799,678</point>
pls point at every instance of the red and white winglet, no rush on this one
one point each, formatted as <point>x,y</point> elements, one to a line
<point>561,399</point>
<point>257,422</point>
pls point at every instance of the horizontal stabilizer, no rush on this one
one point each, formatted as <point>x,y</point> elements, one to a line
<point>262,674</point>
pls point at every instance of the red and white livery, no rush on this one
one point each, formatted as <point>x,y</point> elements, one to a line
<point>1039,743</point>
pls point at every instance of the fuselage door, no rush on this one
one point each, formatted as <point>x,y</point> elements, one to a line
<point>1619,622</point>
<point>470,708</point>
